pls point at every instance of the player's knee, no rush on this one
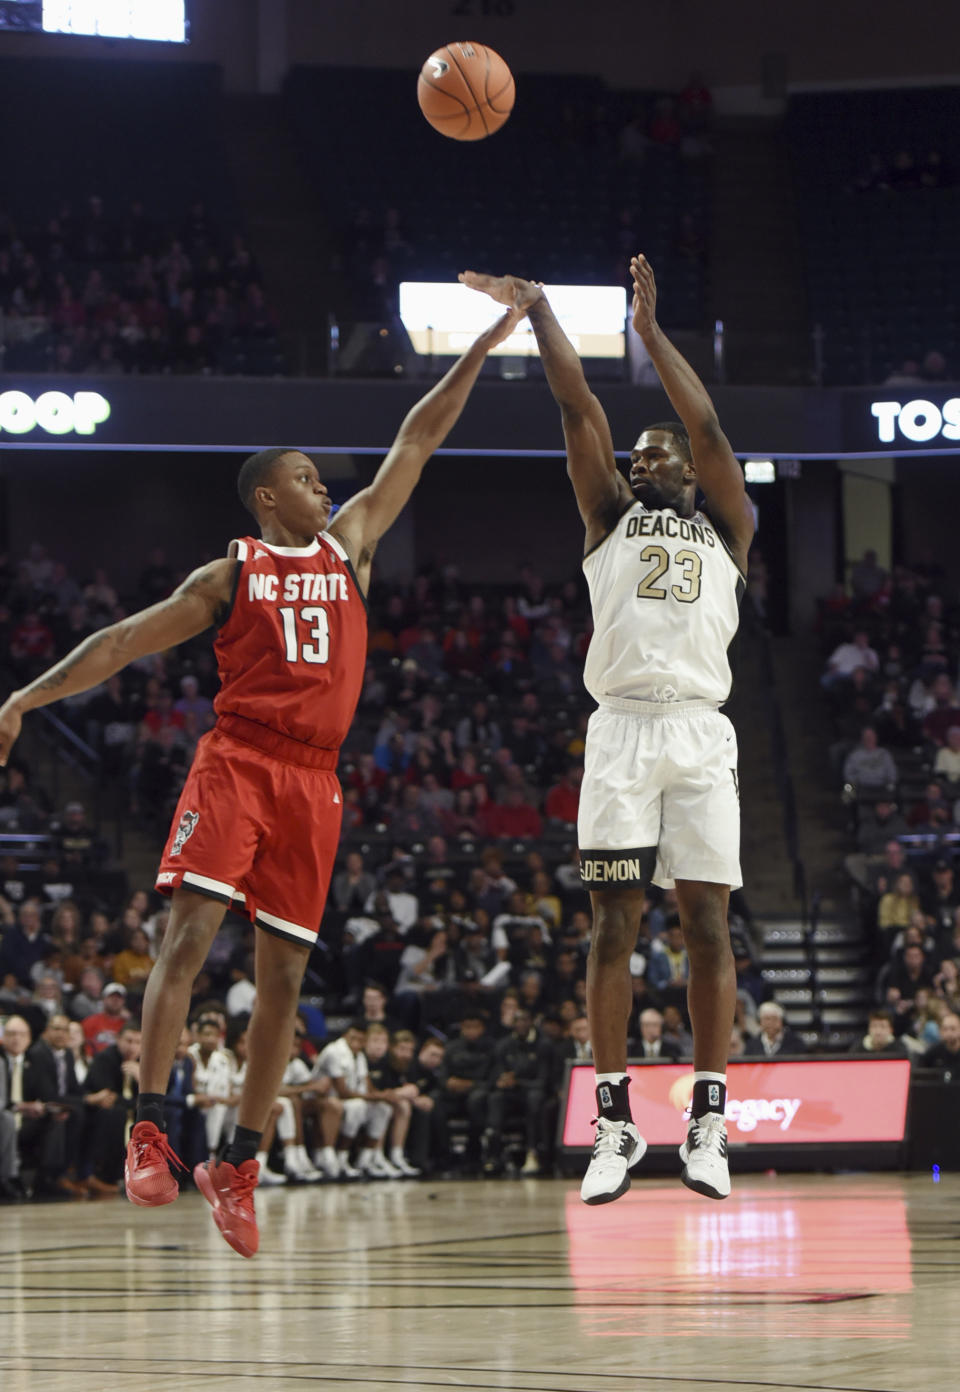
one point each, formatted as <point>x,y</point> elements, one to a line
<point>280,983</point>
<point>707,937</point>
<point>615,926</point>
<point>184,948</point>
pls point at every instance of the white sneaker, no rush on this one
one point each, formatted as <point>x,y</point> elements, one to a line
<point>379,1167</point>
<point>268,1176</point>
<point>617,1148</point>
<point>348,1171</point>
<point>400,1162</point>
<point>302,1173</point>
<point>305,1170</point>
<point>704,1156</point>
<point>327,1161</point>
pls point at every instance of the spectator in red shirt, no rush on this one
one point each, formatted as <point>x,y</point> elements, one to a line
<point>161,715</point>
<point>466,774</point>
<point>31,641</point>
<point>459,654</point>
<point>102,1029</point>
<point>367,779</point>
<point>463,818</point>
<point>944,713</point>
<point>665,129</point>
<point>515,817</point>
<point>563,800</point>
<point>933,811</point>
<point>696,102</point>
<point>515,621</point>
<point>485,810</point>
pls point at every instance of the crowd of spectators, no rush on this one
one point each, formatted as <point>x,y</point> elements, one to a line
<point>904,170</point>
<point>103,291</point>
<point>893,646</point>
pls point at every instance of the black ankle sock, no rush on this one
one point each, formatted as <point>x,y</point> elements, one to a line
<point>150,1108</point>
<point>708,1097</point>
<point>244,1146</point>
<point>613,1102</point>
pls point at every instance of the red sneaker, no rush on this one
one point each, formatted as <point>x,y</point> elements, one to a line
<point>146,1173</point>
<point>228,1189</point>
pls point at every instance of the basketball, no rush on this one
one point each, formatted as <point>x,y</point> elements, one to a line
<point>466,91</point>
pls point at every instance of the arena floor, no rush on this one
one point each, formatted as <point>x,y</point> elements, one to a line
<point>833,1284</point>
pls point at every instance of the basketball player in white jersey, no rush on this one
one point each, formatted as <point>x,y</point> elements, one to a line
<point>659,799</point>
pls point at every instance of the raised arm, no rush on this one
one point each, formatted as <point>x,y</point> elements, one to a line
<point>602,492</point>
<point>363,520</point>
<point>719,475</point>
<point>203,599</point>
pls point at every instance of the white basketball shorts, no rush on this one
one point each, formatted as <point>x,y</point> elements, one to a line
<point>662,775</point>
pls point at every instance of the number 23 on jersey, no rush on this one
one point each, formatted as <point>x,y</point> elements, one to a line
<point>686,590</point>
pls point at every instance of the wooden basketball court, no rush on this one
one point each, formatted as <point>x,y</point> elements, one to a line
<point>841,1284</point>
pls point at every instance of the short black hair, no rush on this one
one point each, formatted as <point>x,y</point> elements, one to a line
<point>359,1024</point>
<point>679,434</point>
<point>256,470</point>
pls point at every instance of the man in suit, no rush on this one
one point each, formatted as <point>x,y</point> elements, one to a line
<point>577,1044</point>
<point>51,1079</point>
<point>775,1036</point>
<point>111,1089</point>
<point>651,1044</point>
<point>9,1157</point>
<point>24,944</point>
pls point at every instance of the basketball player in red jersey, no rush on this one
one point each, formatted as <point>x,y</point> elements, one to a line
<point>258,822</point>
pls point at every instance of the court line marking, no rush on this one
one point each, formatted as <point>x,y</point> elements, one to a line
<point>439,1368</point>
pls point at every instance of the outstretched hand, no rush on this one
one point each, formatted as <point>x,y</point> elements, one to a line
<point>502,329</point>
<point>506,290</point>
<point>644,294</point>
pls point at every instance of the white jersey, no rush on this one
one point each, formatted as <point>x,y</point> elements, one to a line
<point>665,593</point>
<point>338,1060</point>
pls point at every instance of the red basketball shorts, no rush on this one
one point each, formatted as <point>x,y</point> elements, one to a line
<point>256,830</point>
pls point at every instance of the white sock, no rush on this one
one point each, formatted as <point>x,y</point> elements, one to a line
<point>612,1077</point>
<point>262,1158</point>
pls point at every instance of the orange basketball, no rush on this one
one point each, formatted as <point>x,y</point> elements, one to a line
<point>466,91</point>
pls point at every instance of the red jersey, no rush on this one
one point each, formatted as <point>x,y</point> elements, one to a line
<point>292,652</point>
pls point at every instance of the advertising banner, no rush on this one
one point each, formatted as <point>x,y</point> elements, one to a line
<point>769,1102</point>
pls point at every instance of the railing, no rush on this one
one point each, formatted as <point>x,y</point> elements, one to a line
<point>66,749</point>
<point>808,906</point>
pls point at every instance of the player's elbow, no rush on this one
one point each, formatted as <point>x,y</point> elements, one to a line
<point>576,406</point>
<point>705,432</point>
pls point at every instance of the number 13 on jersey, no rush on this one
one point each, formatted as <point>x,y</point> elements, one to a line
<point>315,620</point>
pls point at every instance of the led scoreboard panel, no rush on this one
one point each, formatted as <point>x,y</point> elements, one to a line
<point>157,20</point>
